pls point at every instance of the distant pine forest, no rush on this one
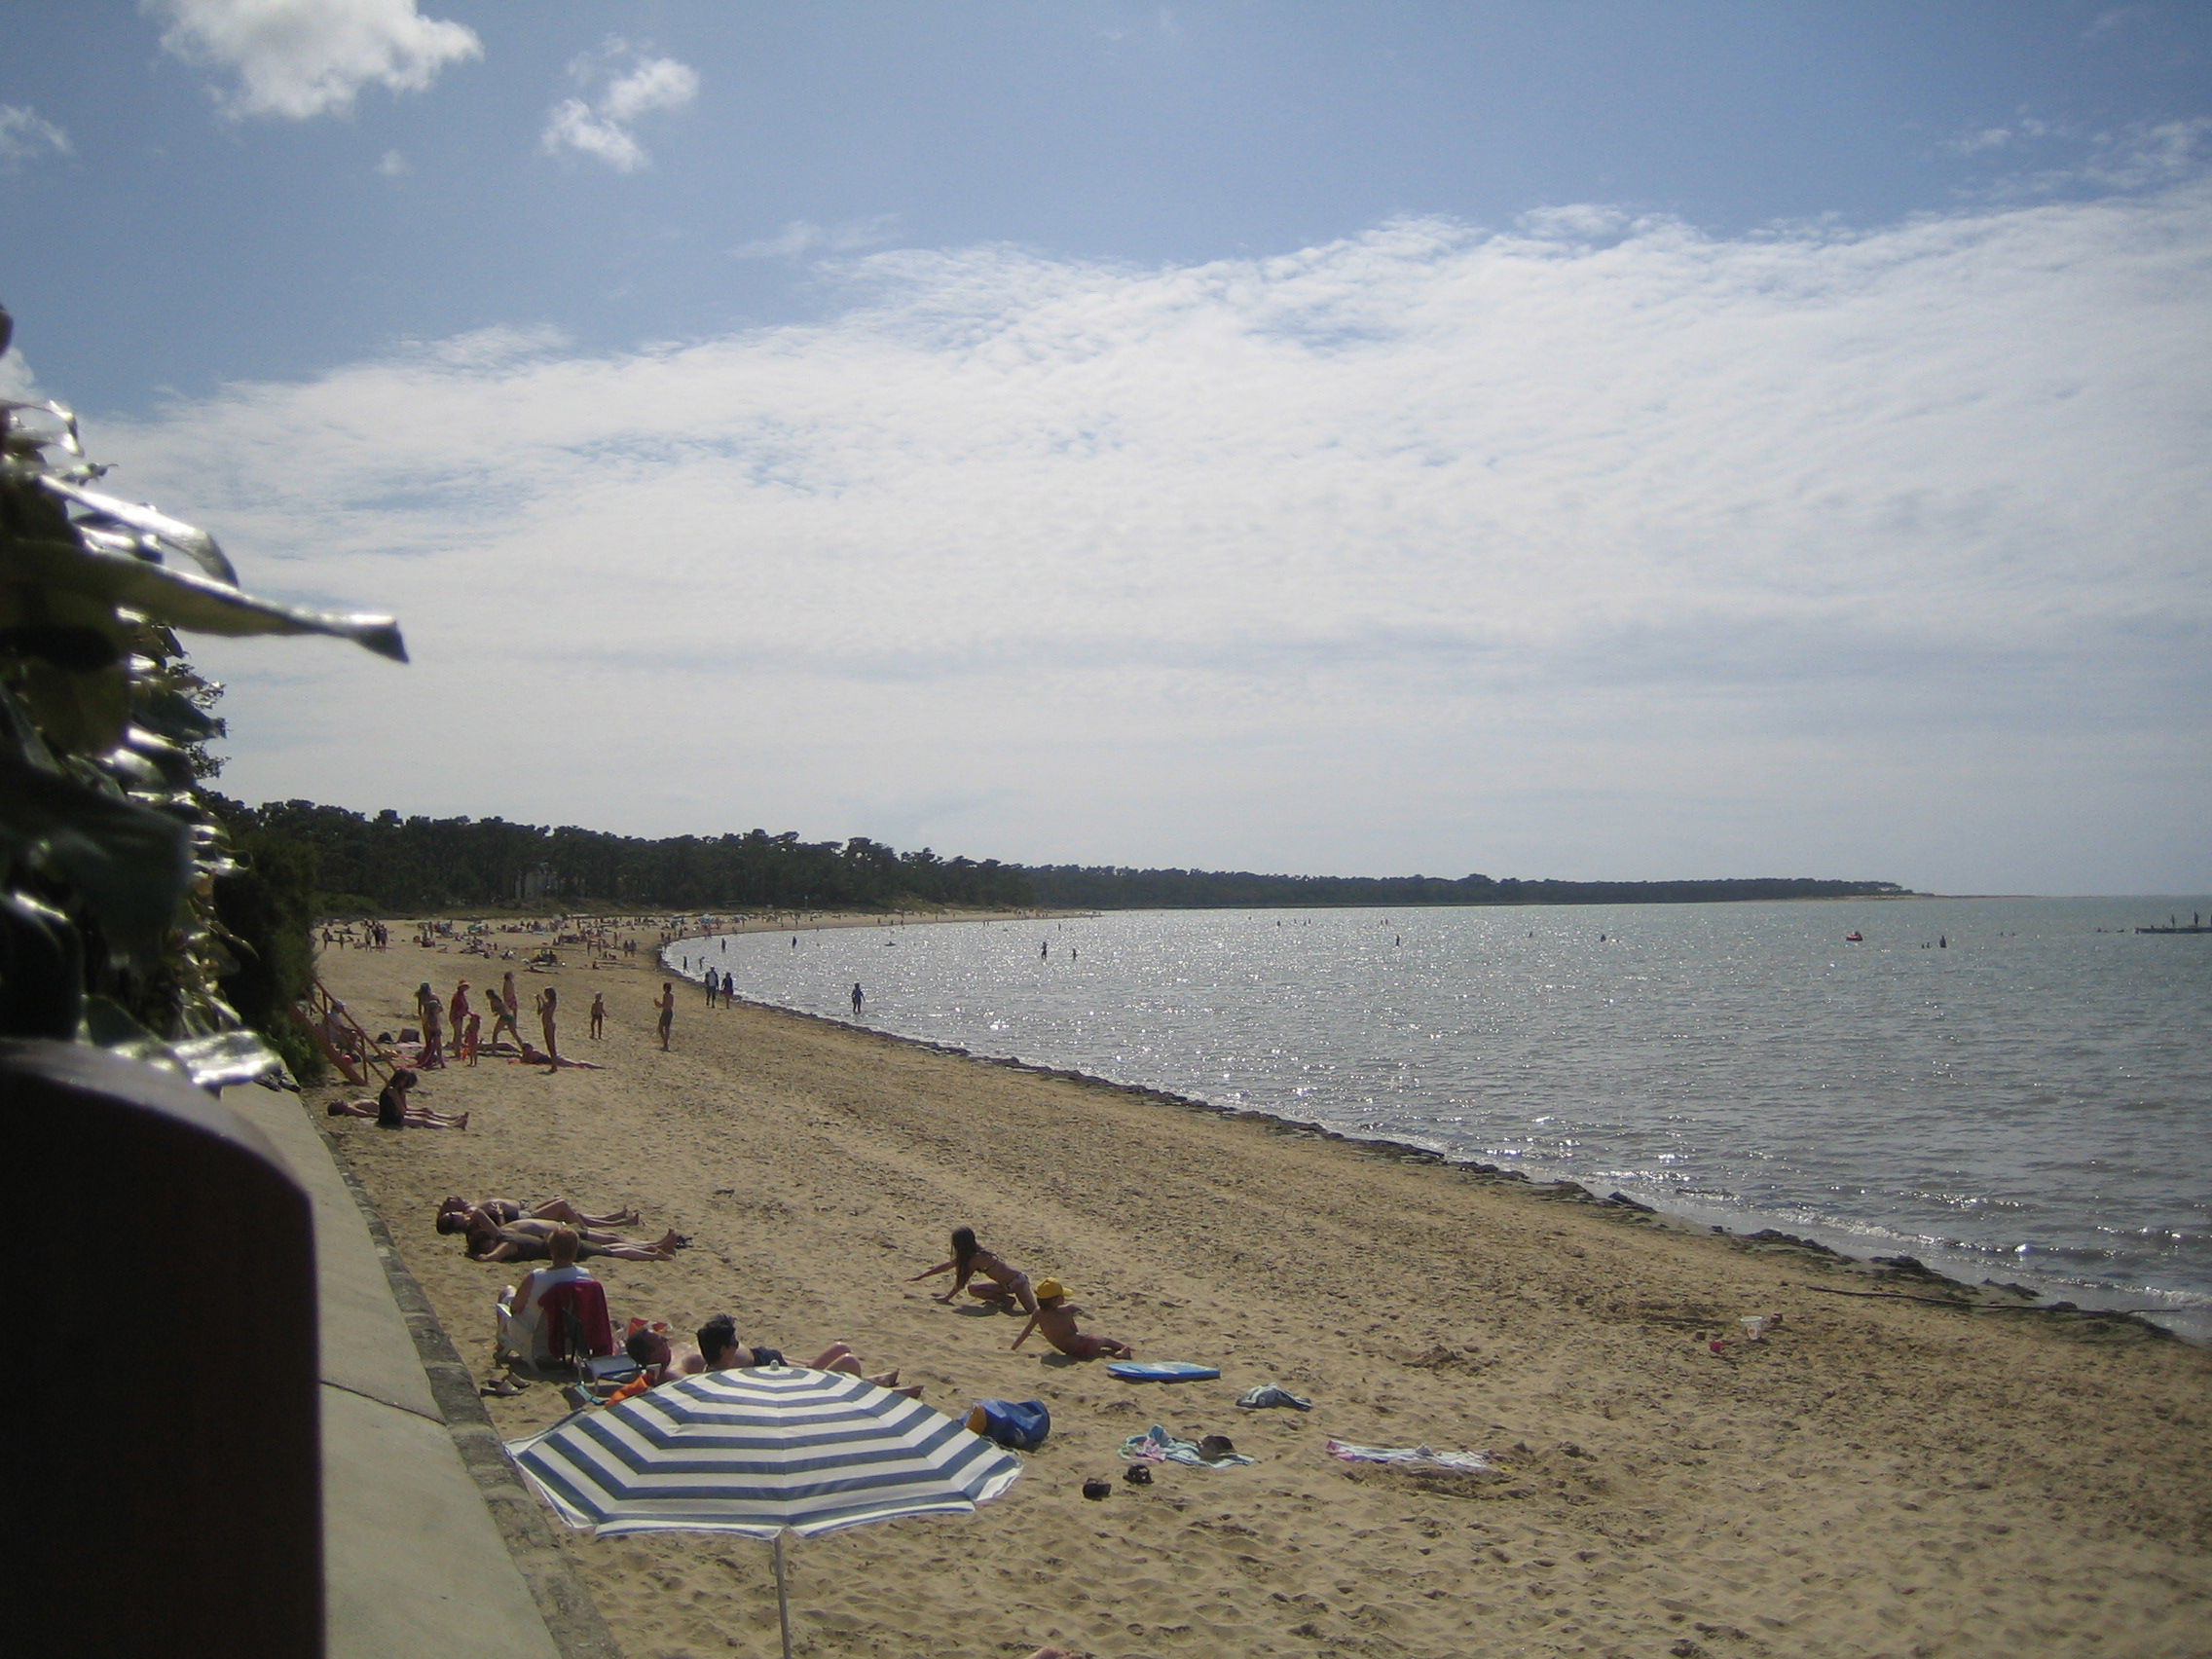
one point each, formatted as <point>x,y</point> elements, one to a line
<point>386,865</point>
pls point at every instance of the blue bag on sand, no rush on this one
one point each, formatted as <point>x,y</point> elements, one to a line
<point>1021,1425</point>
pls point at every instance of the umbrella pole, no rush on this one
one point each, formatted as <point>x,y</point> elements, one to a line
<point>783,1596</point>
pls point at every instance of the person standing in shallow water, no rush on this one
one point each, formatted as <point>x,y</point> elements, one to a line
<point>856,1002</point>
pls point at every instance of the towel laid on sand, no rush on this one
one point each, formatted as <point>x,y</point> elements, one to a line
<point>1351,1454</point>
<point>1155,1444</point>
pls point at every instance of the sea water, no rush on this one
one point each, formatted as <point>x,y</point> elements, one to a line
<point>2017,1089</point>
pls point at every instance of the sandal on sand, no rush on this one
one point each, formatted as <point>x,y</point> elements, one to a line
<point>502,1388</point>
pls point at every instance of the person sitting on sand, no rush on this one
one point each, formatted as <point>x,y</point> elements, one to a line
<point>720,1351</point>
<point>453,1213</point>
<point>1003,1286</point>
<point>392,1110</point>
<point>1055,1317</point>
<point>658,1358</point>
<point>528,1241</point>
<point>526,1311</point>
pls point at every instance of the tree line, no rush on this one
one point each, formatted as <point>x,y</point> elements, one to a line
<point>387,865</point>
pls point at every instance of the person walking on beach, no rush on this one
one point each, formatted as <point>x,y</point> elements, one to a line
<point>503,1016</point>
<point>1003,1286</point>
<point>856,1002</point>
<point>667,1007</point>
<point>729,989</point>
<point>597,1014</point>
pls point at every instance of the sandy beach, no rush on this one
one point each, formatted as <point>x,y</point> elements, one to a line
<point>1877,1477</point>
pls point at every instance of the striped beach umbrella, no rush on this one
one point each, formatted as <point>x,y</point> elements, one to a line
<point>766,1453</point>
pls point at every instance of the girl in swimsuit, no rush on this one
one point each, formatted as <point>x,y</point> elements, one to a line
<point>1003,1285</point>
<point>1055,1317</point>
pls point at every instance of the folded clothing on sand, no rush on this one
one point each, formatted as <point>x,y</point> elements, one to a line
<point>1272,1394</point>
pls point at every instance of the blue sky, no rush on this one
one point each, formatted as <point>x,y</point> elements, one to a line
<point>1581,440</point>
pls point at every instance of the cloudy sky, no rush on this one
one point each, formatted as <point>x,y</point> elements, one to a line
<point>1574,439</point>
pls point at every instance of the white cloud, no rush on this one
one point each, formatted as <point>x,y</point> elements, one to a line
<point>2137,156</point>
<point>2024,129</point>
<point>27,137</point>
<point>1815,552</point>
<point>393,164</point>
<point>800,238</point>
<point>16,378</point>
<point>299,59</point>
<point>599,125</point>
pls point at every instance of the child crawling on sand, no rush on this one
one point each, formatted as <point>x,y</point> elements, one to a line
<point>1055,1317</point>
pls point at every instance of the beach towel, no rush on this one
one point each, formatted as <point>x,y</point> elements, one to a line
<point>1160,1371</point>
<point>1270,1395</point>
<point>1479,1462</point>
<point>1155,1444</point>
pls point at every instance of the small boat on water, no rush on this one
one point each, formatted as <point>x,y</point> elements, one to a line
<point>2174,925</point>
<point>1854,937</point>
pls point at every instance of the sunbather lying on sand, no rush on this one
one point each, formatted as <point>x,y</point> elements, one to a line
<point>527,1240</point>
<point>392,1110</point>
<point>720,1351</point>
<point>1055,1317</point>
<point>1003,1286</point>
<point>453,1213</point>
<point>531,1054</point>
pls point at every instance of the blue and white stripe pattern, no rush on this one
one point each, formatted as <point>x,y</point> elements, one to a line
<point>760,1451</point>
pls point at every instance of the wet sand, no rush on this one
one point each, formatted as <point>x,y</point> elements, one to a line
<point>1877,1477</point>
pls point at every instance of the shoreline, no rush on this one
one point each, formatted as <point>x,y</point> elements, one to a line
<point>1873,1474</point>
<point>2047,1294</point>
<point>1986,1295</point>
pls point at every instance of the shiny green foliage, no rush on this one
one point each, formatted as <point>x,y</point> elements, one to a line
<point>109,858</point>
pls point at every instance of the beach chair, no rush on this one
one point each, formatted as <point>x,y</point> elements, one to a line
<point>571,1340</point>
<point>574,1326</point>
